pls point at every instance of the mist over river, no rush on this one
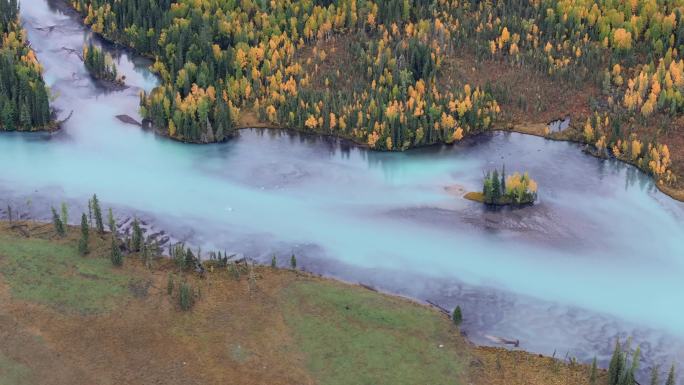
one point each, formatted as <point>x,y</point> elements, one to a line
<point>600,256</point>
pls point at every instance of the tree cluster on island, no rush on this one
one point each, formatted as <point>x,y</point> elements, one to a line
<point>501,189</point>
<point>24,98</point>
<point>99,64</point>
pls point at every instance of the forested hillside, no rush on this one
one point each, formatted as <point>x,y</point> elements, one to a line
<point>398,74</point>
<point>24,100</point>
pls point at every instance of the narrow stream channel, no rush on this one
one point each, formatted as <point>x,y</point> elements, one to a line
<point>600,256</point>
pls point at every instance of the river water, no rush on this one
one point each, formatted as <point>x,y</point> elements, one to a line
<point>600,256</point>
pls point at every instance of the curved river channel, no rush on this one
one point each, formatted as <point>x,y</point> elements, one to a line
<point>600,256</point>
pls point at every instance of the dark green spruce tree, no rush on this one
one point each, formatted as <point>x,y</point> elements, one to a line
<point>83,242</point>
<point>457,316</point>
<point>97,212</point>
<point>137,236</point>
<point>671,380</point>
<point>616,366</point>
<point>111,223</point>
<point>655,375</point>
<point>115,254</point>
<point>57,223</point>
<point>593,375</point>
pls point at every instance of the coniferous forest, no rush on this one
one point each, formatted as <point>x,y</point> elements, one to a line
<point>385,73</point>
<point>222,62</point>
<point>24,98</point>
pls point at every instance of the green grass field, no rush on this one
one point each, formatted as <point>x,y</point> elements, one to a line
<point>12,372</point>
<point>53,274</point>
<point>354,336</point>
<point>295,328</point>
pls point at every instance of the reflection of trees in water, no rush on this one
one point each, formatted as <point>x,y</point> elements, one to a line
<point>332,145</point>
<point>633,177</point>
<point>630,176</point>
<point>392,163</point>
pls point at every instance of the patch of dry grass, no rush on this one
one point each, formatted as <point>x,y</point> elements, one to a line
<point>497,366</point>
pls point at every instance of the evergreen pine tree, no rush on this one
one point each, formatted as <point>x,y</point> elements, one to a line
<point>273,262</point>
<point>8,117</point>
<point>137,237</point>
<point>90,212</point>
<point>111,223</point>
<point>496,187</point>
<point>115,256</point>
<point>615,369</point>
<point>65,214</point>
<point>655,376</point>
<point>593,376</point>
<point>57,223</point>
<point>671,376</point>
<point>487,190</point>
<point>631,374</point>
<point>457,316</point>
<point>98,215</point>
<point>293,262</point>
<point>83,242</point>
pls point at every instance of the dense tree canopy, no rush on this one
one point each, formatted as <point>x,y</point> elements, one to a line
<point>630,49</point>
<point>365,70</point>
<point>99,64</point>
<point>499,188</point>
<point>24,99</point>
<point>381,72</point>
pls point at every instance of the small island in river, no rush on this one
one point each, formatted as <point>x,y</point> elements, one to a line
<point>101,67</point>
<point>501,190</point>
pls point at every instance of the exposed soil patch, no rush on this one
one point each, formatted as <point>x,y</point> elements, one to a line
<point>525,96</point>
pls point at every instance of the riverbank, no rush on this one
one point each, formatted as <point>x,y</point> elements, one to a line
<point>284,327</point>
<point>54,126</point>
<point>573,135</point>
<point>250,120</point>
<point>513,110</point>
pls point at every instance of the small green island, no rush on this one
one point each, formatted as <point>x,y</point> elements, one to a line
<point>101,66</point>
<point>501,190</point>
